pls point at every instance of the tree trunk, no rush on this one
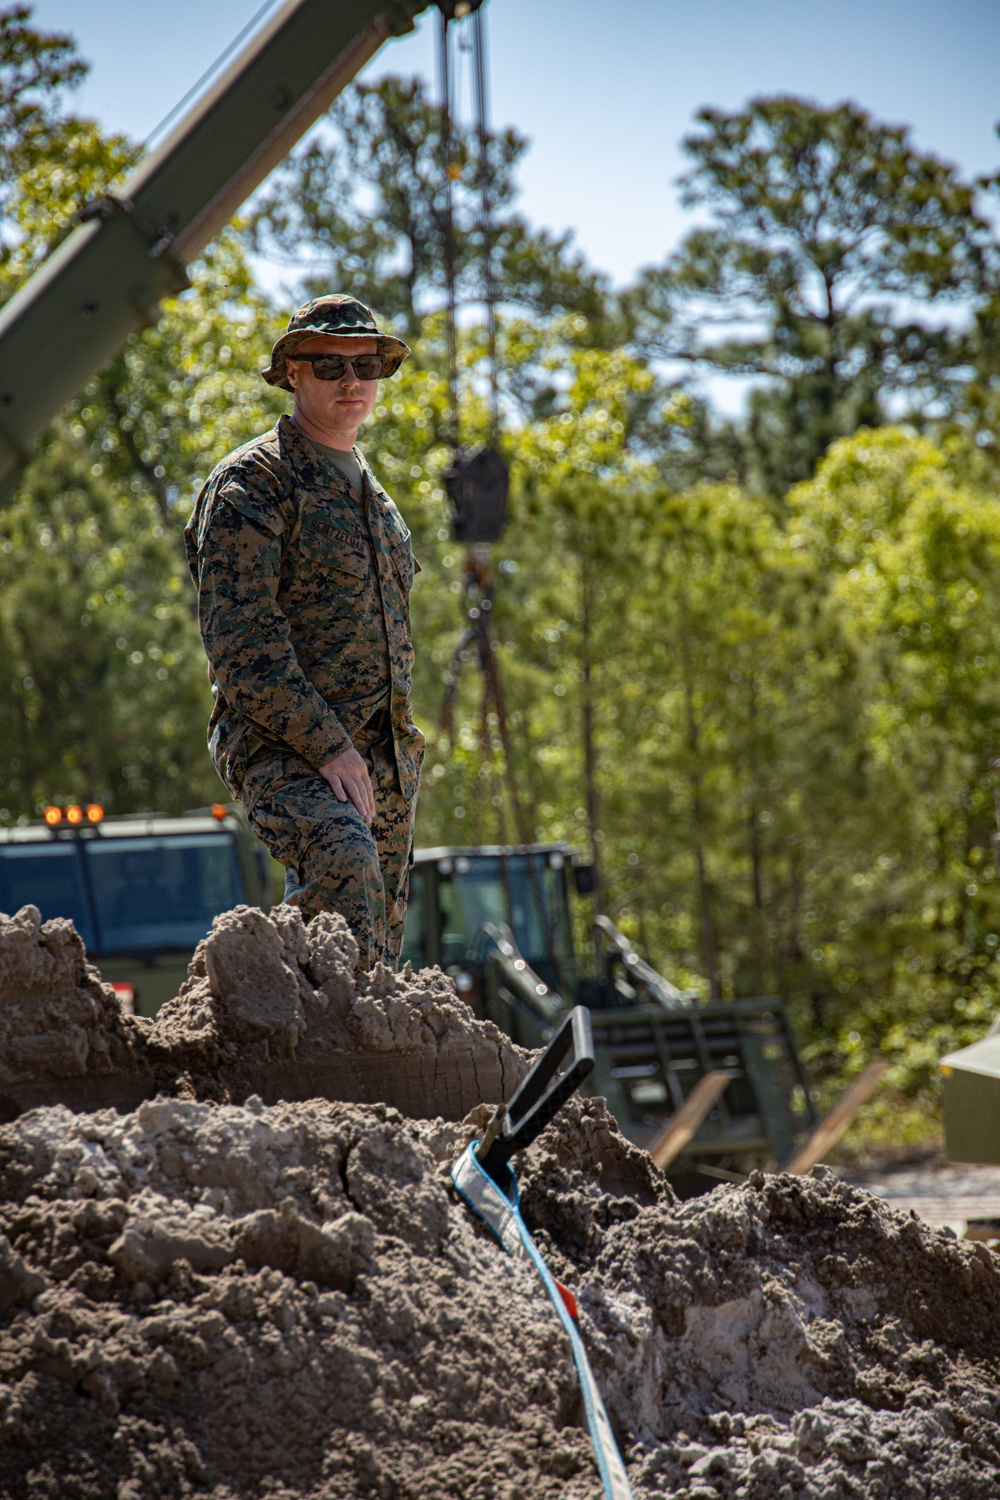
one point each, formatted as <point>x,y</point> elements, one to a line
<point>706,917</point>
<point>756,850</point>
<point>591,795</point>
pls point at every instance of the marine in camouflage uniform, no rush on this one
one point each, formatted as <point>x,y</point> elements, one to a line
<point>303,583</point>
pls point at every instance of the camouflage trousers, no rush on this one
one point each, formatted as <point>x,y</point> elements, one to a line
<point>333,860</point>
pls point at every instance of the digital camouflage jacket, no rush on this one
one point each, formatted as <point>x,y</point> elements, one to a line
<point>303,598</point>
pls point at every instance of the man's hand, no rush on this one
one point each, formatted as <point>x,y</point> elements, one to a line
<point>348,775</point>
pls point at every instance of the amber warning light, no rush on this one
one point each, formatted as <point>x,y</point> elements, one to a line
<point>219,810</point>
<point>93,813</point>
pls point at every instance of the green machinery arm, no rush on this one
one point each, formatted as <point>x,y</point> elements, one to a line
<point>108,277</point>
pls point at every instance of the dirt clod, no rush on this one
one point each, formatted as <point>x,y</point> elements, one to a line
<point>57,1017</point>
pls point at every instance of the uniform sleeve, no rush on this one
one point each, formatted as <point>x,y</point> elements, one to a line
<point>246,634</point>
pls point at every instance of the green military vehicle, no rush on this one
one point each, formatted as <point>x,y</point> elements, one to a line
<point>141,891</point>
<point>500,921</point>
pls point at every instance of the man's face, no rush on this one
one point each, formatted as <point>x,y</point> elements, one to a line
<point>335,406</point>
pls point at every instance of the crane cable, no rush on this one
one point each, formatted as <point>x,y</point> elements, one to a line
<point>449,172</point>
<point>479,578</point>
<point>480,78</point>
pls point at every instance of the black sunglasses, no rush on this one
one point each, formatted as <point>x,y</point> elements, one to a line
<point>332,366</point>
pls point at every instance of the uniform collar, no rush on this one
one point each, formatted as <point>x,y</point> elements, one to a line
<point>299,453</point>
<point>309,469</point>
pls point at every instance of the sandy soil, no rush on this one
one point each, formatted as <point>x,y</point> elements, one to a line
<point>221,1297</point>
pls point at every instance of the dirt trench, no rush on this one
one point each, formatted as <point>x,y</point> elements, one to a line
<point>206,1294</point>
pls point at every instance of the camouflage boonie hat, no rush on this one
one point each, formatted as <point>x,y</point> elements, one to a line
<point>337,315</point>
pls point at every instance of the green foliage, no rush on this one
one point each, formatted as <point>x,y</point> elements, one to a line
<point>77,166</point>
<point>103,693</point>
<point>183,394</point>
<point>116,699</point>
<point>35,69</point>
<point>774,735</point>
<point>913,560</point>
<point>51,163</point>
<point>976,420</point>
<point>829,228</point>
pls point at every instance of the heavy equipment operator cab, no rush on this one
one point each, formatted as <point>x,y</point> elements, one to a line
<point>500,921</point>
<point>456,893</point>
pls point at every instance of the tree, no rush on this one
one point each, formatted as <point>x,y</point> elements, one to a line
<point>912,555</point>
<point>564,571</point>
<point>183,394</point>
<point>742,744</point>
<point>103,696</point>
<point>36,68</point>
<point>977,418</point>
<point>363,208</point>
<point>829,229</point>
<point>51,163</point>
<point>582,515</point>
<point>78,165</point>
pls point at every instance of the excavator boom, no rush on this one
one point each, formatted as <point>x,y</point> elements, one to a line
<point>129,251</point>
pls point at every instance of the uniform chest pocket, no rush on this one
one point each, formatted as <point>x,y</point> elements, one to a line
<point>331,546</point>
<point>402,561</point>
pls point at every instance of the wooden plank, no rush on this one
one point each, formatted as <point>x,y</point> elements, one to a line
<point>832,1126</point>
<point>685,1121</point>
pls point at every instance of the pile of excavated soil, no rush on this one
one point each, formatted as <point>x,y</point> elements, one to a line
<point>271,1007</point>
<point>226,1300</point>
<point>231,1299</point>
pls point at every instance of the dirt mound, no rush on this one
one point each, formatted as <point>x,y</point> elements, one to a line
<point>214,1296</point>
<point>290,1301</point>
<point>267,1301</point>
<point>270,1007</point>
<point>793,1337</point>
<point>57,1017</point>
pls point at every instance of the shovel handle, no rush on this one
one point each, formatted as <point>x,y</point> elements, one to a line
<point>542,1094</point>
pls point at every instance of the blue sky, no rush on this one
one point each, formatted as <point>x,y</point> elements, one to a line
<point>606,90</point>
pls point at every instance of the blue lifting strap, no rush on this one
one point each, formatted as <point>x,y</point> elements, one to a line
<point>503,1216</point>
